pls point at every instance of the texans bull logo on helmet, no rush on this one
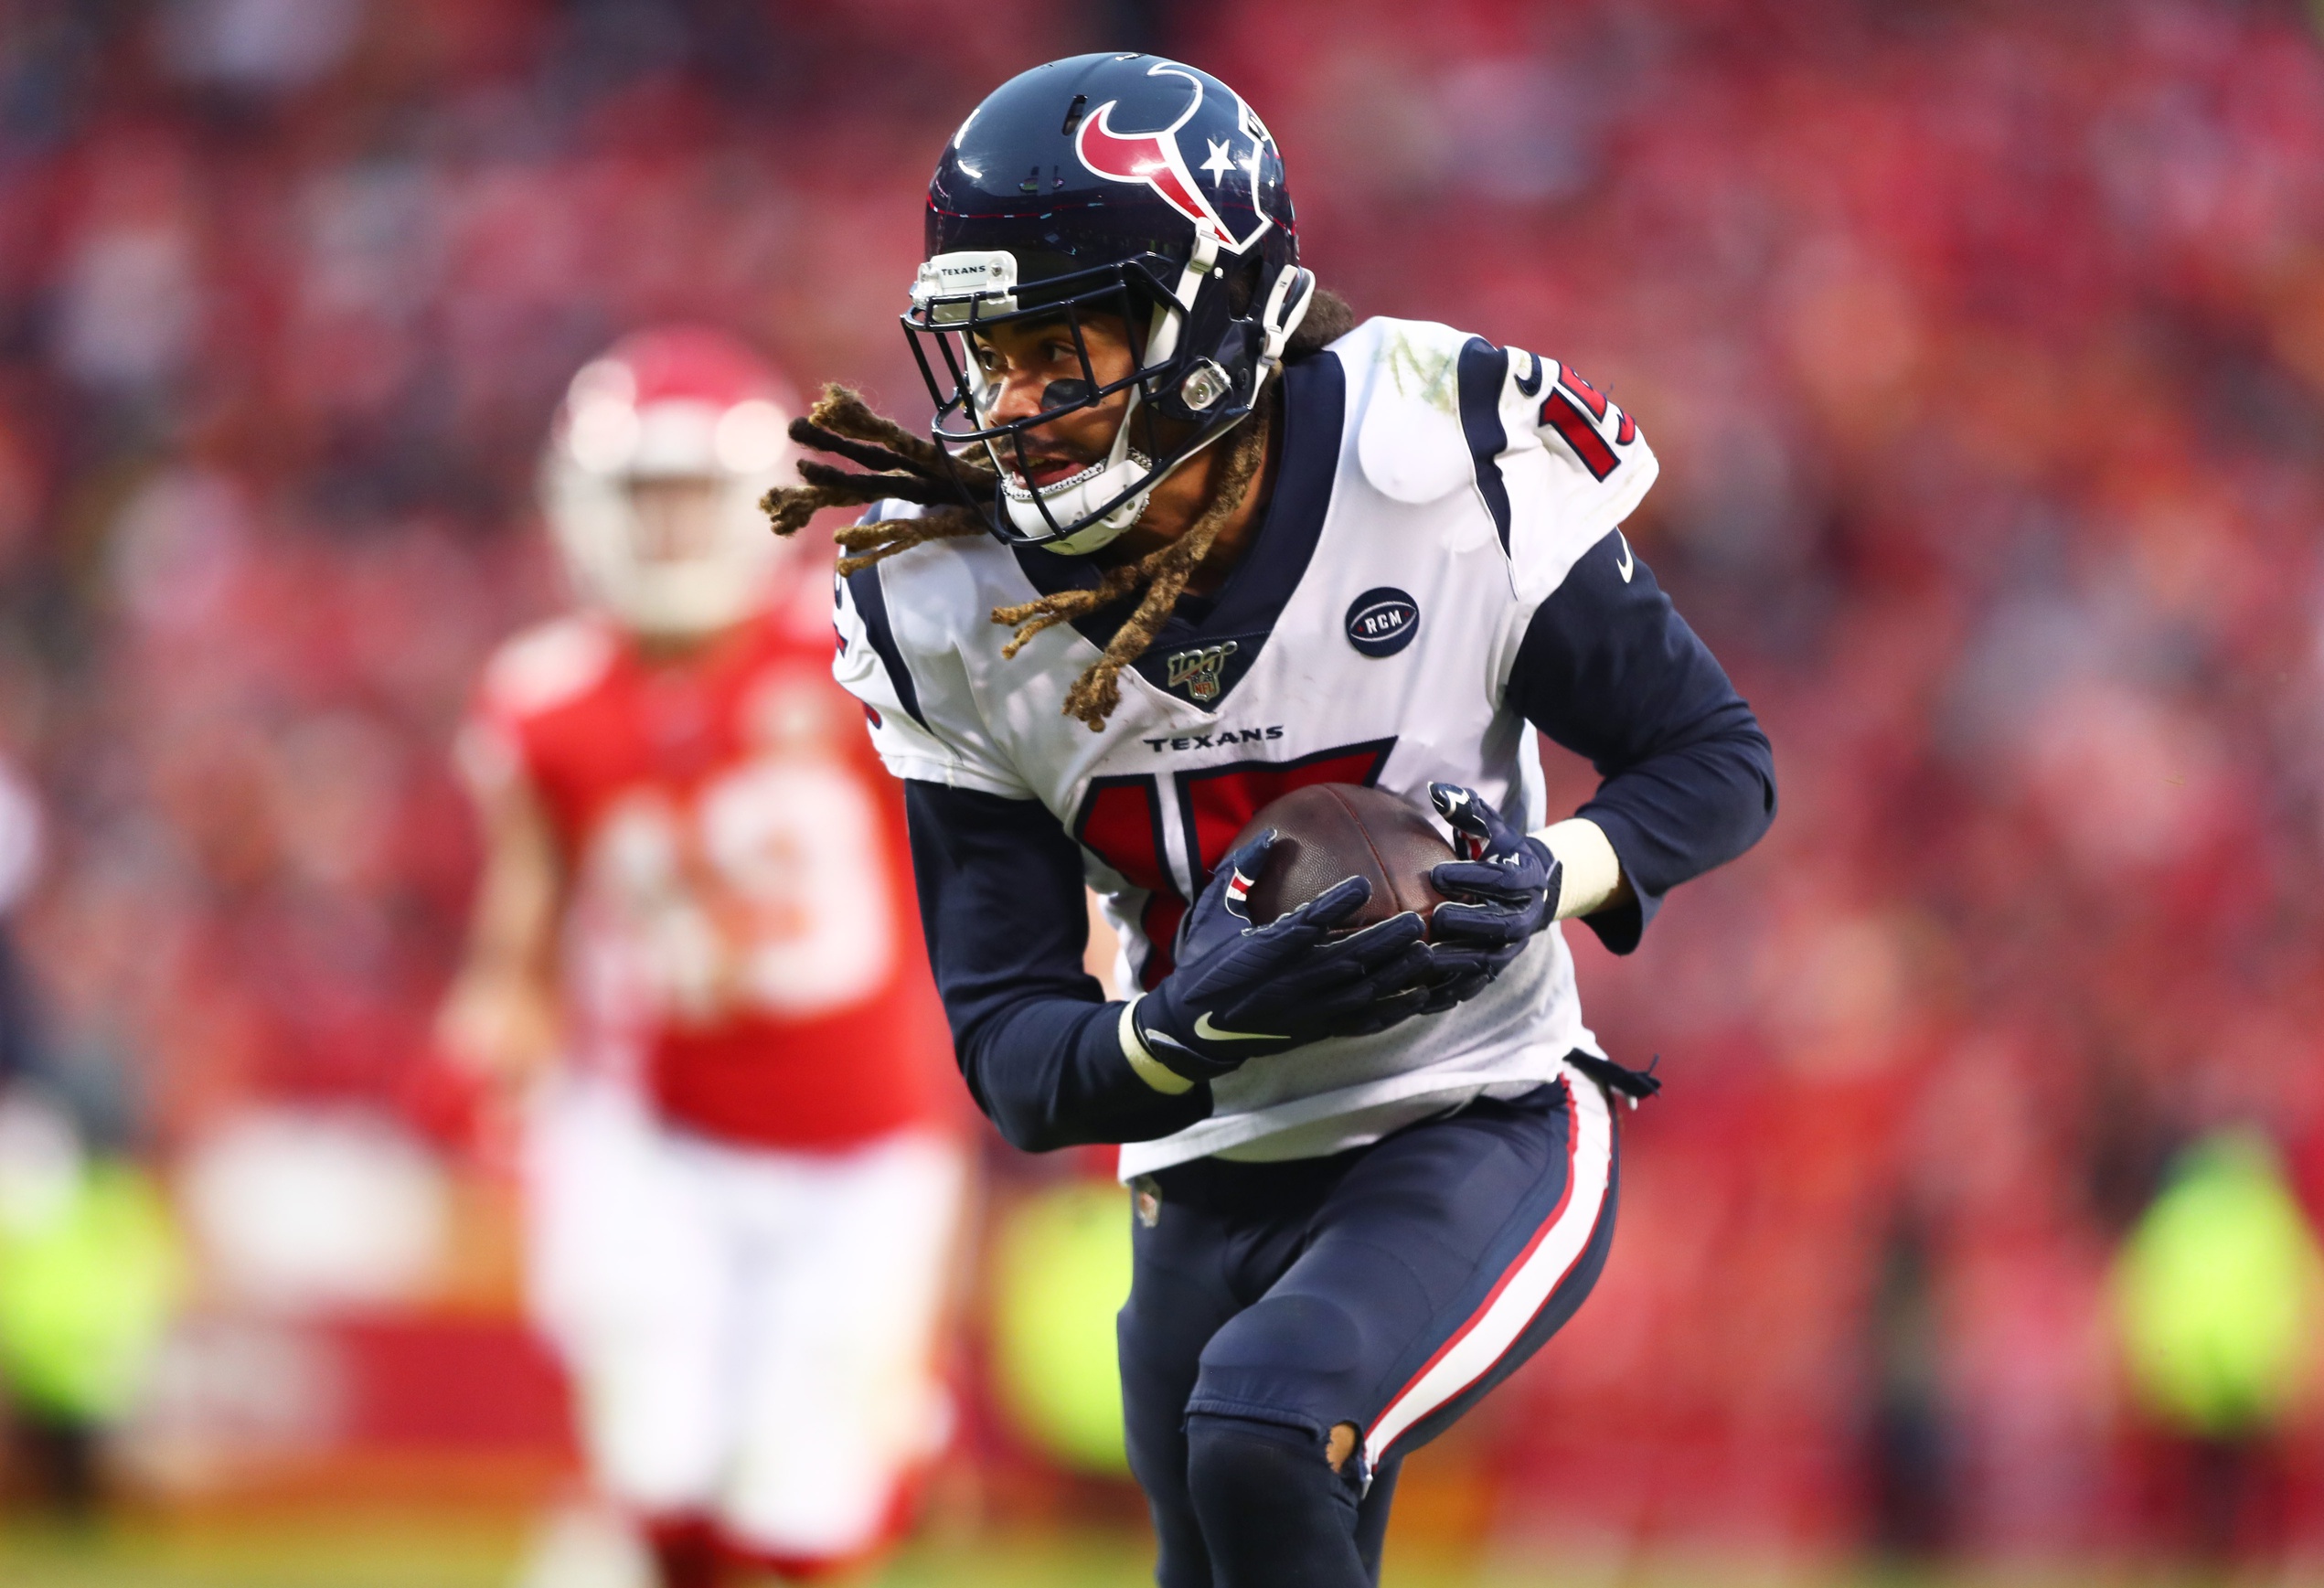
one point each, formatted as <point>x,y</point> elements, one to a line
<point>1155,160</point>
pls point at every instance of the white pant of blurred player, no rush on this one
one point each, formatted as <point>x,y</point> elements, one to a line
<point>751,1333</point>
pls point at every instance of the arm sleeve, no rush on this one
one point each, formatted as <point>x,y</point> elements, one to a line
<point>1609,669</point>
<point>1001,902</point>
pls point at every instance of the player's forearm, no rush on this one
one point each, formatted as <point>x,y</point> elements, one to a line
<point>1052,1074</point>
<point>1002,902</point>
<point>1610,671</point>
<point>1690,807</point>
<point>499,1020</point>
<point>512,926</point>
<point>1674,817</point>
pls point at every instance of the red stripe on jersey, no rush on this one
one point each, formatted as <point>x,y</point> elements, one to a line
<point>1560,414</point>
<point>1159,921</point>
<point>1121,823</point>
<point>1626,432</point>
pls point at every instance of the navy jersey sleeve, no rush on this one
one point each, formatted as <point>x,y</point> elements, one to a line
<point>1001,900</point>
<point>1611,671</point>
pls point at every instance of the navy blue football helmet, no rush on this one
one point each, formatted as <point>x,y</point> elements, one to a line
<point>1121,185</point>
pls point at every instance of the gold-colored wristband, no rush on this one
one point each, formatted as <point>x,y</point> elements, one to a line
<point>1150,1069</point>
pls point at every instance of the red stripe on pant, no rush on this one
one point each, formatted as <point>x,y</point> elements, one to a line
<point>1517,1266</point>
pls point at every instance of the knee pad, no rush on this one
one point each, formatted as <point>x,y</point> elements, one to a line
<point>1298,1357</point>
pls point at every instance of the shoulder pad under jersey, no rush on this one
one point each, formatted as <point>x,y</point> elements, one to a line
<point>546,665</point>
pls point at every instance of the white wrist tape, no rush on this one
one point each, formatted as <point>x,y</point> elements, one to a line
<point>1592,871</point>
<point>1150,1069</point>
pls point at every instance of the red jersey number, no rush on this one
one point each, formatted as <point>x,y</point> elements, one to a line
<point>1121,819</point>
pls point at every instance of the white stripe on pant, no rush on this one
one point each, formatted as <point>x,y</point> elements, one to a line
<point>1527,1285</point>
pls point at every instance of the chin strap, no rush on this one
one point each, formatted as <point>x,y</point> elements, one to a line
<point>1162,337</point>
<point>1034,512</point>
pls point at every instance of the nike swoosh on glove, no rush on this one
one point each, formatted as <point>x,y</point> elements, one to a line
<point>1242,992</point>
<point>1497,898</point>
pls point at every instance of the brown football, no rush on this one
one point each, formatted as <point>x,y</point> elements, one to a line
<point>1331,830</point>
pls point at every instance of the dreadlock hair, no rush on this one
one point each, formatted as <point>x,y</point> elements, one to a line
<point>1163,573</point>
<point>905,467</point>
<point>911,468</point>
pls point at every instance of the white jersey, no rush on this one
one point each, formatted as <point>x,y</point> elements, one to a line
<point>1431,492</point>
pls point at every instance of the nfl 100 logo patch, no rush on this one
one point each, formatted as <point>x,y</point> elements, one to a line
<point>1199,672</point>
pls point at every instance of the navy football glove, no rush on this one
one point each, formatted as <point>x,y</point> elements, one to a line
<point>1497,899</point>
<point>1242,992</point>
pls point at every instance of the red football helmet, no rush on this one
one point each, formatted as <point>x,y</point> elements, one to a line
<point>654,468</point>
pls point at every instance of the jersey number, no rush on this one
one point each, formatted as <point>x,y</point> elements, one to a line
<point>767,894</point>
<point>1120,822</point>
<point>1560,413</point>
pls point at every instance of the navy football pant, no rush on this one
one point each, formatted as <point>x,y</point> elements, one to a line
<point>1390,1286</point>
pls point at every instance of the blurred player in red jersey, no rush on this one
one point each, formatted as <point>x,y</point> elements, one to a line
<point>696,927</point>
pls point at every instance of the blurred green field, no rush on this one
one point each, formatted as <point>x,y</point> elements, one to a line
<point>436,1552</point>
<point>428,1552</point>
<point>432,1553</point>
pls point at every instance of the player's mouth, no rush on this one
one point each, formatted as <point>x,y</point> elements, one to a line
<point>1045,473</point>
<point>1042,472</point>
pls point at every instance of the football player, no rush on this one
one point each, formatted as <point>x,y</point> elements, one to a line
<point>743,1183</point>
<point>1187,536</point>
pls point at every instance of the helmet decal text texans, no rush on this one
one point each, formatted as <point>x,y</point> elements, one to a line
<point>1155,160</point>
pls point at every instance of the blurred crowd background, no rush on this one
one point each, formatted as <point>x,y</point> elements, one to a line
<point>1983,346</point>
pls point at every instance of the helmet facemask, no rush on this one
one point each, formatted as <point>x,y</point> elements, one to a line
<point>1199,368</point>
